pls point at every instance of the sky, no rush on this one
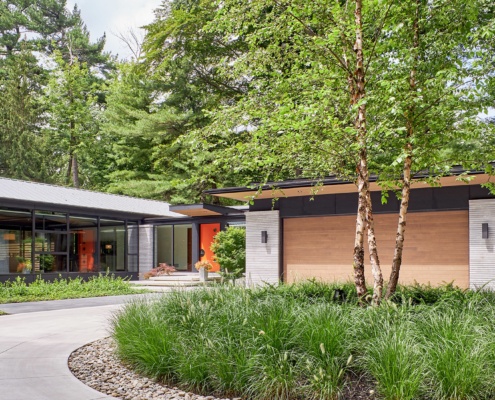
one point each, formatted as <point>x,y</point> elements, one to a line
<point>114,17</point>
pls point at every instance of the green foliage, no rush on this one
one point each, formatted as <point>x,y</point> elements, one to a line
<point>300,57</point>
<point>17,291</point>
<point>73,114</point>
<point>274,343</point>
<point>20,84</point>
<point>229,247</point>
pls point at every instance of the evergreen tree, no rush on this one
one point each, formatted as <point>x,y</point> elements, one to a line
<point>21,144</point>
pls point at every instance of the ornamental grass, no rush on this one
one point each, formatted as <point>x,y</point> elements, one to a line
<point>304,342</point>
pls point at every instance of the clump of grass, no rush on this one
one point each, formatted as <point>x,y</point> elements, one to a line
<point>18,291</point>
<point>278,343</point>
<point>458,353</point>
<point>393,359</point>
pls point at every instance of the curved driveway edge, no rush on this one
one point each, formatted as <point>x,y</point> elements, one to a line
<point>35,346</point>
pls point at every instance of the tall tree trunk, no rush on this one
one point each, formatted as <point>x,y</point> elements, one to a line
<point>73,164</point>
<point>373,249</point>
<point>69,169</point>
<point>406,171</point>
<point>365,214</point>
<point>358,93</point>
<point>75,171</point>
<point>359,279</point>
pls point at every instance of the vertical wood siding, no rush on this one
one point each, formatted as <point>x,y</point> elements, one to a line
<point>436,248</point>
<point>482,251</point>
<point>262,259</point>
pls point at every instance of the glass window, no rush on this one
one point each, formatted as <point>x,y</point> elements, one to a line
<point>164,244</point>
<point>83,244</point>
<point>173,245</point>
<point>15,251</point>
<point>46,262</point>
<point>183,247</point>
<point>51,242</point>
<point>50,221</point>
<point>112,245</point>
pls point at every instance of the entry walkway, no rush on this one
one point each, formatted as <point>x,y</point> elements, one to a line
<point>35,346</point>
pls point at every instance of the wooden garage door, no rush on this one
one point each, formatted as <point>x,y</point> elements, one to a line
<point>436,247</point>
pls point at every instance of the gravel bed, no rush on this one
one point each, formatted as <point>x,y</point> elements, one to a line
<point>96,365</point>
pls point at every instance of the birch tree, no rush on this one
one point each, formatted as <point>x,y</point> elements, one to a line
<point>358,87</point>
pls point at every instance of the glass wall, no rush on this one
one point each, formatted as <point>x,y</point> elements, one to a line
<point>174,246</point>
<point>53,242</point>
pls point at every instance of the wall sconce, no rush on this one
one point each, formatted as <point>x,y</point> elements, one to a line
<point>484,231</point>
<point>264,237</point>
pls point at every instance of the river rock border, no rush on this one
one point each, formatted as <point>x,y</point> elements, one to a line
<point>97,366</point>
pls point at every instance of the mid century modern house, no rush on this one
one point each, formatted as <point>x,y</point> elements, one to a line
<point>53,230</point>
<point>292,233</point>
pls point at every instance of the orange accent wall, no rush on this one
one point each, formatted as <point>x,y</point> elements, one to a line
<point>206,234</point>
<point>86,250</point>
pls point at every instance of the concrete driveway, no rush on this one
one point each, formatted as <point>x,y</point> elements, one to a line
<point>35,346</point>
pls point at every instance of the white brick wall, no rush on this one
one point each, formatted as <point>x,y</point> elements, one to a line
<point>481,251</point>
<point>262,259</point>
<point>145,249</point>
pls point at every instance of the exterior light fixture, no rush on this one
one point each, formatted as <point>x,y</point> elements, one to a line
<point>264,237</point>
<point>484,231</point>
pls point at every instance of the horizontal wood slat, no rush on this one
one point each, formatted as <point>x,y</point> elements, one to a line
<point>436,247</point>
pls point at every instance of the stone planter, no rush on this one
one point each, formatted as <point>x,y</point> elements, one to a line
<point>203,275</point>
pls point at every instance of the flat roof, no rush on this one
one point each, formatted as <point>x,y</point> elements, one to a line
<point>205,210</point>
<point>329,185</point>
<point>51,195</point>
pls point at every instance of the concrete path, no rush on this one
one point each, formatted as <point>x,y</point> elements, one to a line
<point>35,346</point>
<point>35,306</point>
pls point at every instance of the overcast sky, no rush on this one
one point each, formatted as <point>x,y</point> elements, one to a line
<point>113,17</point>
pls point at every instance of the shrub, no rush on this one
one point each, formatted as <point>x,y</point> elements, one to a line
<point>18,290</point>
<point>162,269</point>
<point>229,247</point>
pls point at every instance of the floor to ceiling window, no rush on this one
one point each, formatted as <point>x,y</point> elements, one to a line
<point>43,241</point>
<point>15,241</point>
<point>112,245</point>
<point>174,246</point>
<point>83,254</point>
<point>51,241</point>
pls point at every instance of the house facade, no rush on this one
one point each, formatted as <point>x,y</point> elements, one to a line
<point>57,231</point>
<point>296,232</point>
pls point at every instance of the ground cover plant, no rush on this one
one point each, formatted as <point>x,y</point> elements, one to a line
<point>313,341</point>
<point>18,291</point>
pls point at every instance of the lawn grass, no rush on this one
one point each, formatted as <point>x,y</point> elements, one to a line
<point>18,291</point>
<point>301,342</point>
